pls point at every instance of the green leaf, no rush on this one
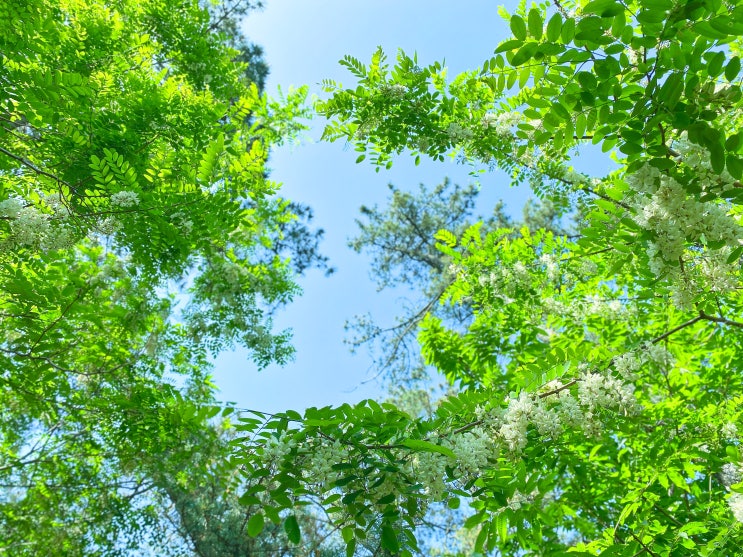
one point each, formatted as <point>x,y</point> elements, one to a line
<point>734,165</point>
<point>717,157</point>
<point>677,479</point>
<point>500,522</point>
<point>554,26</point>
<point>589,29</point>
<point>389,539</point>
<point>524,54</point>
<point>587,80</point>
<point>536,23</point>
<point>475,519</point>
<point>518,27</point>
<point>732,69</point>
<point>427,446</point>
<point>604,8</point>
<point>509,45</point>
<point>714,67</point>
<point>568,30</point>
<point>255,525</point>
<point>735,255</point>
<point>291,527</point>
<point>447,237</point>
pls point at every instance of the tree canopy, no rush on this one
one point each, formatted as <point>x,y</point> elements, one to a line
<point>595,401</point>
<point>139,233</point>
<point>598,402</point>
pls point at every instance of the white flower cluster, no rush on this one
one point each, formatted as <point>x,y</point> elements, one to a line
<point>320,461</point>
<point>430,471</point>
<point>518,499</point>
<point>108,225</point>
<point>276,448</point>
<point>457,132</point>
<point>10,207</point>
<point>627,364</point>
<point>550,264</point>
<point>662,206</point>
<point>230,281</point>
<point>730,474</point>
<point>569,174</point>
<point>472,449</point>
<point>182,221</point>
<point>396,90</point>
<point>729,431</point>
<point>124,200</point>
<point>32,228</point>
<point>527,410</point>
<point>658,354</point>
<point>502,123</point>
<point>550,414</point>
<point>736,506</point>
<point>508,281</point>
<point>596,390</point>
<point>578,309</point>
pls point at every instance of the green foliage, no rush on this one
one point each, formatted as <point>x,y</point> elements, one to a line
<point>595,407</point>
<point>138,233</point>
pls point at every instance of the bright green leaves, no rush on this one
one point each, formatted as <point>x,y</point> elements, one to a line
<point>427,446</point>
<point>524,54</point>
<point>671,90</point>
<point>649,84</point>
<point>732,69</point>
<point>112,171</point>
<point>554,27</point>
<point>518,27</point>
<point>604,8</point>
<point>715,64</point>
<point>208,163</point>
<point>535,23</point>
<point>532,27</point>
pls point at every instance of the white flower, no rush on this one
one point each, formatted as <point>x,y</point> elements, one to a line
<point>627,364</point>
<point>730,474</point>
<point>458,133</point>
<point>11,207</point>
<point>729,431</point>
<point>276,449</point>
<point>736,506</point>
<point>393,90</point>
<point>430,470</point>
<point>109,225</point>
<point>517,500</point>
<point>30,227</point>
<point>550,264</point>
<point>658,354</point>
<point>516,421</point>
<point>472,449</point>
<point>124,199</point>
<point>502,123</point>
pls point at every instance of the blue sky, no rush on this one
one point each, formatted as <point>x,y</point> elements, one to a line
<point>303,42</point>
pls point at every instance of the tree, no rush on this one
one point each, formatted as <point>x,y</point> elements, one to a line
<point>400,240</point>
<point>139,233</point>
<point>599,401</point>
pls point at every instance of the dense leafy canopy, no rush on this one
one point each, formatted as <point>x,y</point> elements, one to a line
<point>138,233</point>
<point>598,402</point>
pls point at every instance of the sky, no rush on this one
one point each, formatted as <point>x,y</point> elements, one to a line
<point>303,42</point>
